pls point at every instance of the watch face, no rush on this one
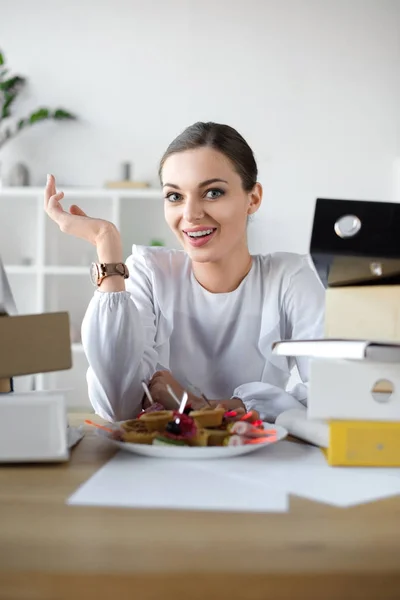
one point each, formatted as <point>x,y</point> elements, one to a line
<point>94,274</point>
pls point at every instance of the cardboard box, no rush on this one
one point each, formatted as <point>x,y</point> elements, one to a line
<point>363,312</point>
<point>34,344</point>
<point>363,444</point>
<point>356,390</point>
<point>30,343</point>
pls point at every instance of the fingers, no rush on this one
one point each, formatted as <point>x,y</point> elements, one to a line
<point>53,204</point>
<point>160,374</point>
<point>160,394</point>
<point>75,210</point>
<point>162,377</point>
<point>49,190</point>
<point>52,199</point>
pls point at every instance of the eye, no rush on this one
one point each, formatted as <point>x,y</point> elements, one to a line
<point>173,197</point>
<point>214,193</point>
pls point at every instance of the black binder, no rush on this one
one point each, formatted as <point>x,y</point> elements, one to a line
<point>356,242</point>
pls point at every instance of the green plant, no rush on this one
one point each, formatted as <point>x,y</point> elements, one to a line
<point>155,242</point>
<point>10,87</point>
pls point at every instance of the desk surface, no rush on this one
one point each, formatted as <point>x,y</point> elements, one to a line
<point>49,550</point>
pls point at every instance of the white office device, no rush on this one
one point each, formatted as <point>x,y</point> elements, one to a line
<point>33,427</point>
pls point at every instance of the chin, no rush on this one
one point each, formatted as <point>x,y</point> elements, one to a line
<point>203,255</point>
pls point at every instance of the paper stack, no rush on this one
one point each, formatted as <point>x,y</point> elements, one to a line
<point>355,371</point>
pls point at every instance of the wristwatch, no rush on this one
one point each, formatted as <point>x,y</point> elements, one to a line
<point>99,271</point>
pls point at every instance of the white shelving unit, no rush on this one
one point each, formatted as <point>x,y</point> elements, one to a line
<point>49,270</point>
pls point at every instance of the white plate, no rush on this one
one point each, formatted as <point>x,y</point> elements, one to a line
<point>197,452</point>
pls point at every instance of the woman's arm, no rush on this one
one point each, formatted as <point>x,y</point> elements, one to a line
<point>118,330</point>
<point>118,333</point>
<point>302,311</point>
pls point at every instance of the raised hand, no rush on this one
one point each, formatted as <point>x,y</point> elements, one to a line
<point>75,222</point>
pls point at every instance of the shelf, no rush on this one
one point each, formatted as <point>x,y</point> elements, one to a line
<point>81,192</point>
<point>71,295</point>
<point>47,270</point>
<point>19,232</point>
<point>73,380</point>
<point>25,291</point>
<point>66,270</point>
<point>21,269</point>
<point>20,192</point>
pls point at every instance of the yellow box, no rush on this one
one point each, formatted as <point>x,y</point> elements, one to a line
<point>364,444</point>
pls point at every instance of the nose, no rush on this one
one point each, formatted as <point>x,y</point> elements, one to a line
<point>193,211</point>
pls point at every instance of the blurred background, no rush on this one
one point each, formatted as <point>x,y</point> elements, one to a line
<point>313,86</point>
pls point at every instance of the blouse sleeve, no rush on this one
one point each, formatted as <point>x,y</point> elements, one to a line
<point>118,335</point>
<point>303,307</point>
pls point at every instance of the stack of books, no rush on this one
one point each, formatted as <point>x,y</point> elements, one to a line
<point>354,389</point>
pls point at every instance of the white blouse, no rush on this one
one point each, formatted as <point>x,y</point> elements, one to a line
<point>220,343</point>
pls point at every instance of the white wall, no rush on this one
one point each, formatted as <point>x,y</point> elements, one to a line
<point>313,85</point>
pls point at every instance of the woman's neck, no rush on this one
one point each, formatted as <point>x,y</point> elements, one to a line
<point>223,276</point>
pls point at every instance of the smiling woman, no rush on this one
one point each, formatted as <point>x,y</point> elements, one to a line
<point>206,315</point>
<point>209,177</point>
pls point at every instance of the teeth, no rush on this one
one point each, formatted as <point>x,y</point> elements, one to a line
<point>199,233</point>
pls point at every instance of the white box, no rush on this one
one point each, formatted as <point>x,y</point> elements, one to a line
<point>33,427</point>
<point>343,390</point>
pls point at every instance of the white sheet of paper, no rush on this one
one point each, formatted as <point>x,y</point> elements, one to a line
<point>134,481</point>
<point>302,470</point>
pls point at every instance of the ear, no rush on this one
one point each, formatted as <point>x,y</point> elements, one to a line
<point>255,199</point>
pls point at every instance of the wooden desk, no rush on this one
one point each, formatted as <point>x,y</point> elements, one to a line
<point>50,551</point>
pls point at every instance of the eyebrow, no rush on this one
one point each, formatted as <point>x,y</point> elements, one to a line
<point>202,184</point>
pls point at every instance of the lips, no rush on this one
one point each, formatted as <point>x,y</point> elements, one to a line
<point>199,236</point>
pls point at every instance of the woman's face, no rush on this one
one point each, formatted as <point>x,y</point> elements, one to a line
<point>205,204</point>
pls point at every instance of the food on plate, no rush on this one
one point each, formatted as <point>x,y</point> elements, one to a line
<point>206,427</point>
<point>247,429</point>
<point>181,427</point>
<point>216,437</point>
<point>158,420</point>
<point>133,425</point>
<point>234,440</point>
<point>184,429</point>
<point>139,437</point>
<point>208,417</point>
<point>200,439</point>
<point>231,416</point>
<point>162,440</point>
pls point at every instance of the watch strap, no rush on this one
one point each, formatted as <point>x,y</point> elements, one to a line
<point>110,269</point>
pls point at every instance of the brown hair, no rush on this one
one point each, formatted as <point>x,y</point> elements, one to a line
<point>223,138</point>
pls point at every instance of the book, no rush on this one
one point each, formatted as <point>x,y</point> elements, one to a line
<point>339,349</point>
<point>347,443</point>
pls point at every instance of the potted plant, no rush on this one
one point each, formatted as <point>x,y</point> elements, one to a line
<point>10,88</point>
